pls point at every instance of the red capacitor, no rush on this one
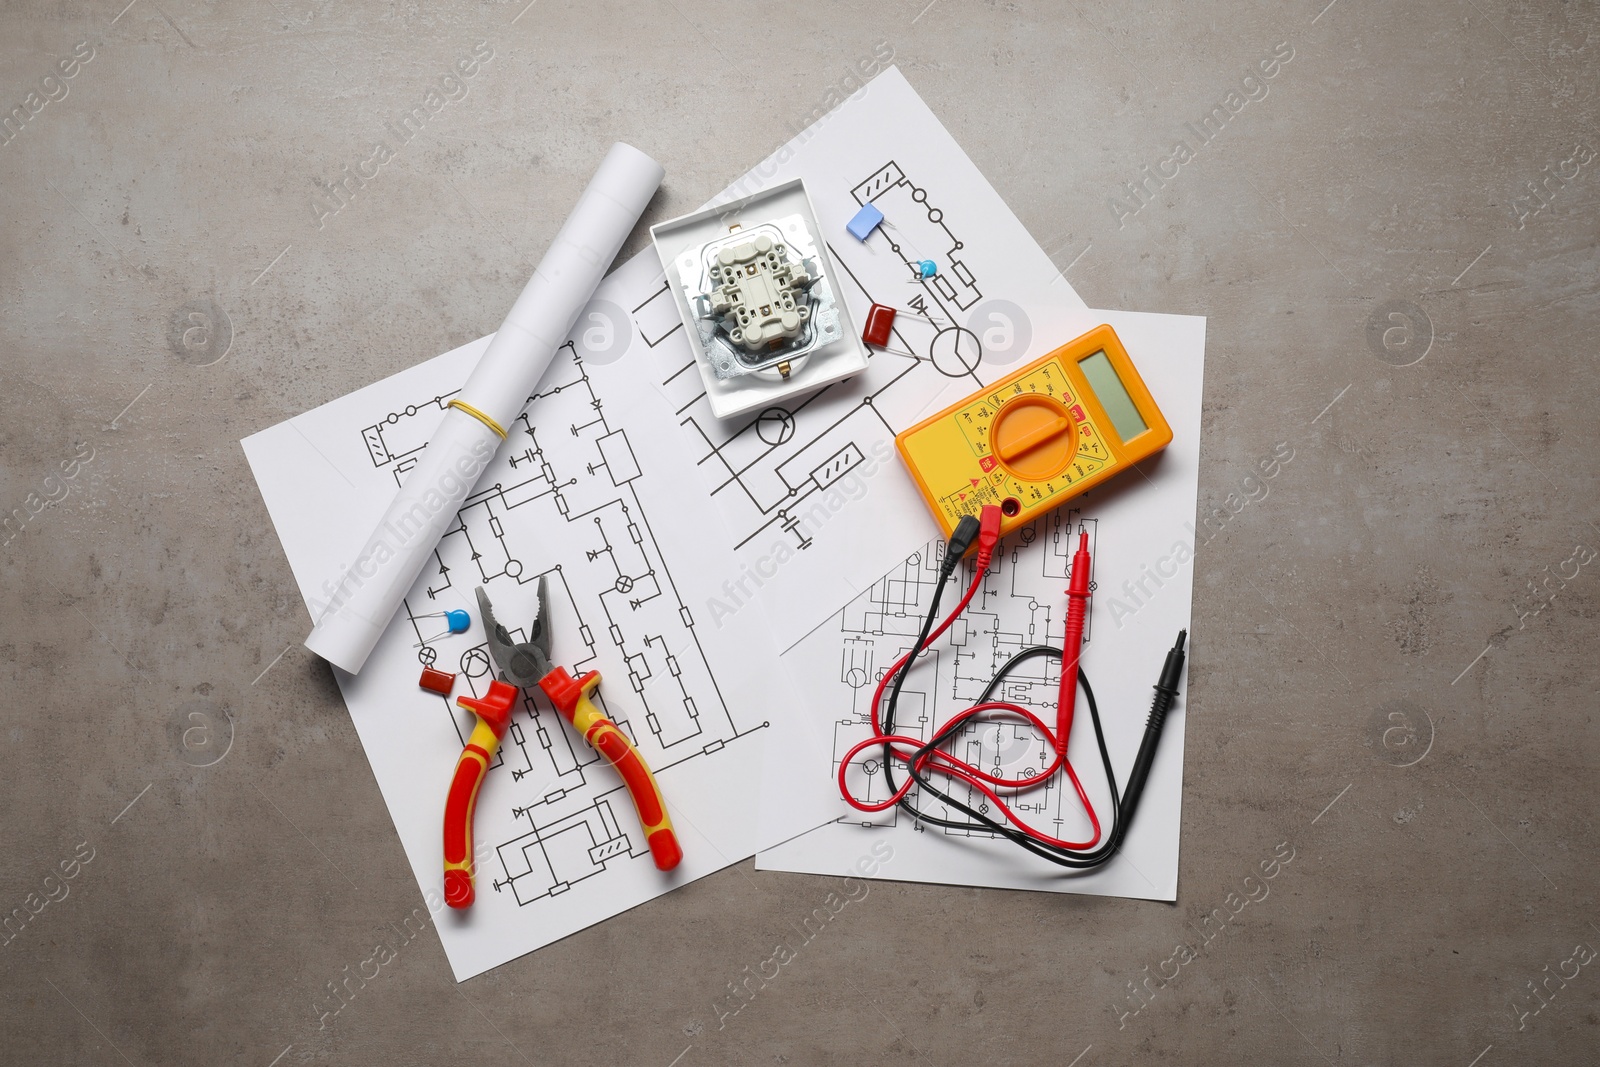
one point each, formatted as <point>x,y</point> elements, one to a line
<point>880,320</point>
<point>437,681</point>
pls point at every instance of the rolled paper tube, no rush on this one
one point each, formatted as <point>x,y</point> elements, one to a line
<point>369,591</point>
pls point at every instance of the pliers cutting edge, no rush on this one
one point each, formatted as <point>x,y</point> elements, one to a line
<point>523,665</point>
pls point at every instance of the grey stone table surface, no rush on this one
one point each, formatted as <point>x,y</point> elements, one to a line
<point>1393,680</point>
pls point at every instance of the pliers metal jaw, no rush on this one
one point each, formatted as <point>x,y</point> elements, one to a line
<point>522,663</point>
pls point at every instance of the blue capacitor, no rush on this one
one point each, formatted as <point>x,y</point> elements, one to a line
<point>864,222</point>
<point>456,619</point>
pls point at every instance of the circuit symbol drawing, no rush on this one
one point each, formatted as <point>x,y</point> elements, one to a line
<point>1019,603</point>
<point>770,470</point>
<point>560,502</point>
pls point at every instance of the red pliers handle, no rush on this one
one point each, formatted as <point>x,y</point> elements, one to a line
<point>571,697</point>
<point>494,718</point>
<point>524,664</point>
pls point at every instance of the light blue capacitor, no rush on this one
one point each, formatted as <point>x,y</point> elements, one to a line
<point>927,268</point>
<point>456,619</point>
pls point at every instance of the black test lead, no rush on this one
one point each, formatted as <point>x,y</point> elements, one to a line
<point>922,760</point>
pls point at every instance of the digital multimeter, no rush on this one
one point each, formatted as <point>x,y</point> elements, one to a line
<point>1038,437</point>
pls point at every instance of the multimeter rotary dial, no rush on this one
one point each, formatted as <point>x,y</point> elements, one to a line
<point>1033,437</point>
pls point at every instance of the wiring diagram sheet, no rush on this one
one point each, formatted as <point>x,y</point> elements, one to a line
<point>1142,543</point>
<point>648,517</point>
<point>583,493</point>
<point>810,487</point>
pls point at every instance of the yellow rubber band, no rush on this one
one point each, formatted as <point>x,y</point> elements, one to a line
<point>480,416</point>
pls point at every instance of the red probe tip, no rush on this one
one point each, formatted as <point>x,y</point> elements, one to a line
<point>1079,585</point>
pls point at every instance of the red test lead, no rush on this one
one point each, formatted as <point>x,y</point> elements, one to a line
<point>1077,612</point>
<point>928,760</point>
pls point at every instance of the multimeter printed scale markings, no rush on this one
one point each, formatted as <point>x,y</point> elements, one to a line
<point>1044,442</point>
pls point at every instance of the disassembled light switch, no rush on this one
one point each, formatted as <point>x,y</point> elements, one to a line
<point>760,295</point>
<point>755,288</point>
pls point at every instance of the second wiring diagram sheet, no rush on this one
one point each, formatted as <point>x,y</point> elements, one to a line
<point>1142,540</point>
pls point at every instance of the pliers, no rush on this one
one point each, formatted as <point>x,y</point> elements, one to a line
<point>525,664</point>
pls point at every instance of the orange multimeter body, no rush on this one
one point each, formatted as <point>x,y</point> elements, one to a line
<point>1039,436</point>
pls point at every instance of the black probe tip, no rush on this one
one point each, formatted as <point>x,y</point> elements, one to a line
<point>1171,671</point>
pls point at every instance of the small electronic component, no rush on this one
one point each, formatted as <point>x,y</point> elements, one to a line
<point>880,324</point>
<point>456,619</point>
<point>440,682</point>
<point>1037,437</point>
<point>880,320</point>
<point>864,222</point>
<point>755,288</point>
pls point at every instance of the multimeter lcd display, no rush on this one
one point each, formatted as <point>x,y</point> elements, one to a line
<point>1113,396</point>
<point>1039,436</point>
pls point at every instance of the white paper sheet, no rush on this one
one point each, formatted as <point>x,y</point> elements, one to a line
<point>604,486</point>
<point>817,503</point>
<point>1141,534</point>
<point>583,495</point>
